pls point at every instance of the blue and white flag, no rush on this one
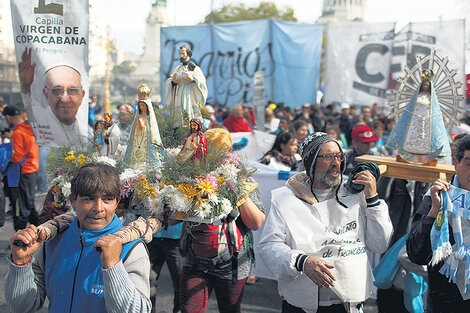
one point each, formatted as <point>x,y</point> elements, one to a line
<point>455,209</point>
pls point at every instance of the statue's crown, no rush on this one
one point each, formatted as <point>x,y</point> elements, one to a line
<point>143,91</point>
<point>427,75</point>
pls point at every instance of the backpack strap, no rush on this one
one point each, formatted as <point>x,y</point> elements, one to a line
<point>235,268</point>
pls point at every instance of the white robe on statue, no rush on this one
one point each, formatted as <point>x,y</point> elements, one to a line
<point>188,95</point>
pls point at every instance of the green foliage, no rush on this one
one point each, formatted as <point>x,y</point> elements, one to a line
<point>239,12</point>
<point>172,136</point>
<point>186,171</point>
<point>125,68</point>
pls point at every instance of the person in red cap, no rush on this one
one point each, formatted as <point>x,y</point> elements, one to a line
<point>362,141</point>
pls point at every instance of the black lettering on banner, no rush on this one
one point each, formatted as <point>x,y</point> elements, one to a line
<point>374,91</point>
<point>416,50</point>
<point>361,59</point>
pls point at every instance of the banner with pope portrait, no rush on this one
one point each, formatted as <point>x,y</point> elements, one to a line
<point>51,47</point>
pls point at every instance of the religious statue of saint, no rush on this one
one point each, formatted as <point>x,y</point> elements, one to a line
<point>144,148</point>
<point>420,135</point>
<point>112,134</point>
<point>195,144</point>
<point>186,90</point>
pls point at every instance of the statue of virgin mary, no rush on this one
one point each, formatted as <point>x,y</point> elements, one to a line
<point>144,148</point>
<point>420,135</point>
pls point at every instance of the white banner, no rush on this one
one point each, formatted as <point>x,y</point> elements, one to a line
<point>252,146</point>
<point>357,62</point>
<point>268,179</point>
<point>51,44</point>
<point>417,39</point>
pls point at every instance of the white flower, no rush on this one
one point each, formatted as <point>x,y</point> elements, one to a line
<point>154,205</point>
<point>174,199</point>
<point>106,160</point>
<point>226,206</point>
<point>128,173</point>
<point>214,199</point>
<point>59,180</point>
<point>204,209</point>
<point>66,189</point>
<point>227,171</point>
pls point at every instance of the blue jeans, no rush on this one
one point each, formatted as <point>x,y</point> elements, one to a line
<point>44,152</point>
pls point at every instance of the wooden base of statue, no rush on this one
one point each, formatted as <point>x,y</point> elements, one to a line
<point>396,167</point>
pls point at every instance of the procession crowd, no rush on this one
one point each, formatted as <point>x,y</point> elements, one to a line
<point>318,238</point>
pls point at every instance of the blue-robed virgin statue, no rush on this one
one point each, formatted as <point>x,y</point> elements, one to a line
<point>420,135</point>
<point>144,148</point>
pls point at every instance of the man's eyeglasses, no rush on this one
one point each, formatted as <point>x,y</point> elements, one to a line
<point>330,156</point>
<point>59,91</point>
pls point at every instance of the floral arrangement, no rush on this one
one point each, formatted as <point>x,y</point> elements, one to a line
<point>207,196</point>
<point>196,191</point>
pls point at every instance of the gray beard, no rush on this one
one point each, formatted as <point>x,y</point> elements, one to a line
<point>328,182</point>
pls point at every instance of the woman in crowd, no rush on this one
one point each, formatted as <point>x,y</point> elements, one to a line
<point>299,128</point>
<point>282,154</point>
<point>334,132</point>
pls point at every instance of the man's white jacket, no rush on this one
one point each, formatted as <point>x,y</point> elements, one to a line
<point>340,231</point>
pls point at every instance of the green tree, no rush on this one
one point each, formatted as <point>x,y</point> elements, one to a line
<point>125,68</point>
<point>239,12</point>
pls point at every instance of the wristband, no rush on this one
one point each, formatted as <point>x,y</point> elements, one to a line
<point>300,262</point>
<point>373,201</point>
<point>19,264</point>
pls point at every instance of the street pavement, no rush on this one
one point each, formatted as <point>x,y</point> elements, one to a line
<point>262,297</point>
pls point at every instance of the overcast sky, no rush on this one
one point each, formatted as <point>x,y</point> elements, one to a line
<point>127,18</point>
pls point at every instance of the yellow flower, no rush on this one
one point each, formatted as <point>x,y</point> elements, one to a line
<point>188,190</point>
<point>205,187</point>
<point>57,190</point>
<point>144,190</point>
<point>70,158</point>
<point>200,201</point>
<point>167,183</point>
<point>81,160</point>
<point>221,180</point>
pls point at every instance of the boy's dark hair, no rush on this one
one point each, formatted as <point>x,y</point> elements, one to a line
<point>95,178</point>
<point>462,146</point>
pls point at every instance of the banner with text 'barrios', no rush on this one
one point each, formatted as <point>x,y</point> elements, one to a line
<point>229,54</point>
<point>51,46</point>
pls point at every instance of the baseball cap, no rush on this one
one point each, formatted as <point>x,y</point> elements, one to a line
<point>12,110</point>
<point>344,105</point>
<point>363,133</point>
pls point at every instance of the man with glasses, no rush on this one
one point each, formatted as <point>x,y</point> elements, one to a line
<point>317,234</point>
<point>63,94</point>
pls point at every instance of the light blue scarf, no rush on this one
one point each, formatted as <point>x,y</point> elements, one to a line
<point>455,201</point>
